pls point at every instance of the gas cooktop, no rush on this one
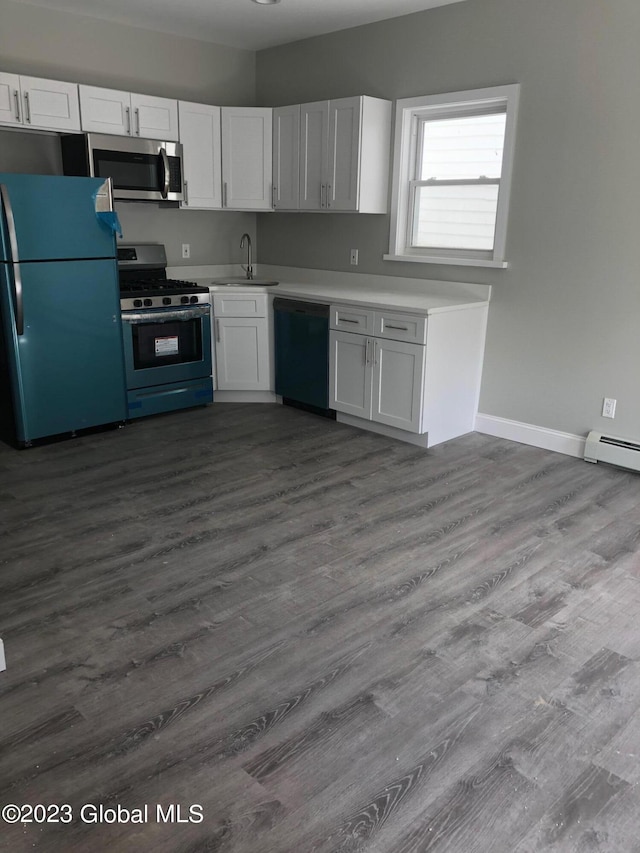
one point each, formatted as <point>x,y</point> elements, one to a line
<point>144,283</point>
<point>158,286</point>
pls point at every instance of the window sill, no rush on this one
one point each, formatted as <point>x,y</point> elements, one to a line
<point>460,262</point>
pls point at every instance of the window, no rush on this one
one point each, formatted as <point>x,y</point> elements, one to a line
<point>452,172</point>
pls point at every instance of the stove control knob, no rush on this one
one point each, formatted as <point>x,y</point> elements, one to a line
<point>193,299</point>
<point>148,302</point>
<point>137,303</point>
<point>166,300</point>
<point>184,300</point>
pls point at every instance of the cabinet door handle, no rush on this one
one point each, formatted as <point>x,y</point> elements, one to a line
<point>366,352</point>
<point>27,108</point>
<point>16,96</point>
<point>224,194</point>
<point>323,195</point>
<point>186,194</point>
<point>345,320</point>
<point>375,351</point>
<point>328,195</point>
<point>127,114</point>
<point>137,113</point>
<point>218,331</point>
<point>274,192</point>
<point>400,328</point>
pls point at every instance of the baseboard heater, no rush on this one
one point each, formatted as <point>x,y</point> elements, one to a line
<point>610,448</point>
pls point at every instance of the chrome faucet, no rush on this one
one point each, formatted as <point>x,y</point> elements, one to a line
<point>247,239</point>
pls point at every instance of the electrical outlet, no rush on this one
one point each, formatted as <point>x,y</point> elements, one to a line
<point>186,250</point>
<point>353,258</point>
<point>608,407</point>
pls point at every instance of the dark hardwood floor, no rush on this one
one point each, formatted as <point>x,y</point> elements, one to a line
<point>328,640</point>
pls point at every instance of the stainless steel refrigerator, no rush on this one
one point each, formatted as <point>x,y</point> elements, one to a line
<point>61,356</point>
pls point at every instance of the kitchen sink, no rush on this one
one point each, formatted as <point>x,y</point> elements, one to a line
<point>241,281</point>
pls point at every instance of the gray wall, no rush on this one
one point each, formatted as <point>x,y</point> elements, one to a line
<point>564,324</point>
<point>45,43</point>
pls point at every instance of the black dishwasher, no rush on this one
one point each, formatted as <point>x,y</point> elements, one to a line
<point>301,332</point>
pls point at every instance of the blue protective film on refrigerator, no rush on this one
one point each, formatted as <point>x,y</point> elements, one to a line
<point>110,219</point>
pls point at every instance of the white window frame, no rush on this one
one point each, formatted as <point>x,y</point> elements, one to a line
<point>451,105</point>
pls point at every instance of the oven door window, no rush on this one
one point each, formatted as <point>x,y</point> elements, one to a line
<point>161,344</point>
<point>129,171</point>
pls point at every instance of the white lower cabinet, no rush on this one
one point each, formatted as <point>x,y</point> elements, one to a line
<point>241,342</point>
<point>378,380</point>
<point>349,374</point>
<point>398,380</point>
<point>426,383</point>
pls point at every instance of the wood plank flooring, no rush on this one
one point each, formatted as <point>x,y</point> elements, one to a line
<point>330,641</point>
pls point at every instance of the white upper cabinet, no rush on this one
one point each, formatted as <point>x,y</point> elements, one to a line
<point>286,157</point>
<point>155,118</point>
<point>10,99</point>
<point>202,163</point>
<point>246,158</point>
<point>128,114</point>
<point>33,102</point>
<point>343,177</point>
<point>105,110</point>
<point>314,143</point>
<point>345,146</point>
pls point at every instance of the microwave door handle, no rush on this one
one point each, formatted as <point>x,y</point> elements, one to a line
<point>5,202</point>
<point>165,165</point>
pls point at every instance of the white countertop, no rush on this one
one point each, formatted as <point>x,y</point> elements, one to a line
<point>372,291</point>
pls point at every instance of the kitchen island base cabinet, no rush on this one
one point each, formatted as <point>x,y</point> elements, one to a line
<point>423,393</point>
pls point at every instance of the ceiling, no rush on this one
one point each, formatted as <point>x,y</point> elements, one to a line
<point>242,23</point>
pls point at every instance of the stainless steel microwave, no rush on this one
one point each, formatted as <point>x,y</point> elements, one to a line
<point>141,169</point>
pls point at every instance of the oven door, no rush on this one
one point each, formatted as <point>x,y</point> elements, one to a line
<point>163,346</point>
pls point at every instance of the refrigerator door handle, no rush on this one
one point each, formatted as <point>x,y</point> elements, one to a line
<point>5,201</point>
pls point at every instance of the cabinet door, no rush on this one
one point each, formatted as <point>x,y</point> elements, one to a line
<point>350,374</point>
<point>398,382</point>
<point>200,138</point>
<point>343,154</point>
<point>50,104</point>
<point>10,99</point>
<point>239,304</point>
<point>242,353</point>
<point>286,157</point>
<point>105,110</point>
<point>154,118</point>
<point>314,129</point>
<point>246,158</point>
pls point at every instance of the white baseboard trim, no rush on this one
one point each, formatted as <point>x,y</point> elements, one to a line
<point>548,439</point>
<point>3,660</point>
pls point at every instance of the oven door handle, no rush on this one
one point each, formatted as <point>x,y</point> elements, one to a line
<point>162,316</point>
<point>164,190</point>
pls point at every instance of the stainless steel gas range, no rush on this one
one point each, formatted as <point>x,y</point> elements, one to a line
<point>167,334</point>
